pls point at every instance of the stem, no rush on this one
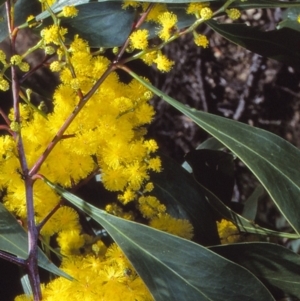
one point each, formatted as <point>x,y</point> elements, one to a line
<point>32,260</point>
<point>12,259</point>
<point>4,116</point>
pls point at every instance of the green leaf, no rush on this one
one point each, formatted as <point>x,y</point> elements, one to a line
<point>250,206</point>
<point>290,19</point>
<point>103,24</point>
<point>174,268</point>
<point>277,267</point>
<point>214,170</point>
<point>58,6</point>
<point>250,4</point>
<point>243,224</point>
<point>13,239</point>
<point>23,9</point>
<point>211,143</point>
<point>169,186</point>
<point>281,45</point>
<point>274,161</point>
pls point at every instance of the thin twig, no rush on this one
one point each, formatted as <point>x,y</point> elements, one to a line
<point>32,260</point>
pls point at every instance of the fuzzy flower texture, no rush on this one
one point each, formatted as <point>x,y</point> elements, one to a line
<point>109,134</point>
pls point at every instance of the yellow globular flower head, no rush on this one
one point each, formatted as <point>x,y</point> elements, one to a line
<point>2,57</point>
<point>228,232</point>
<point>233,13</point>
<point>163,63</point>
<point>139,39</point>
<point>151,145</point>
<point>55,66</point>
<point>195,7</point>
<point>149,57</point>
<point>155,164</point>
<point>53,33</point>
<point>179,227</point>
<point>70,242</point>
<point>150,206</point>
<point>201,40</point>
<point>16,59</point>
<point>128,196</point>
<point>69,11</point>
<point>4,84</point>
<point>298,19</point>
<point>206,13</point>
<point>168,22</point>
<point>49,50</point>
<point>148,187</point>
<point>155,12</point>
<point>24,66</point>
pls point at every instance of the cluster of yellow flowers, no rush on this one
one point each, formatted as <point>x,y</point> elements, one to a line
<point>107,135</point>
<point>104,274</point>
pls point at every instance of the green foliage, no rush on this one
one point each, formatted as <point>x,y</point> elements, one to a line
<point>188,270</point>
<point>14,240</point>
<point>199,191</point>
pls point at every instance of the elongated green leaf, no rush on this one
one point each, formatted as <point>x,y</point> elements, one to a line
<point>58,6</point>
<point>174,268</point>
<point>277,267</point>
<point>274,161</point>
<point>103,24</point>
<point>243,224</point>
<point>179,192</point>
<point>13,239</point>
<point>281,45</point>
<point>250,206</point>
<point>211,143</point>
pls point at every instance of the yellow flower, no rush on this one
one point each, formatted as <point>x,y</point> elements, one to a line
<point>23,298</point>
<point>149,57</point>
<point>127,196</point>
<point>148,187</point>
<point>150,206</point>
<point>228,232</point>
<point>206,13</point>
<point>298,19</point>
<point>195,8</point>
<point>24,66</point>
<point>167,223</point>
<point>156,10</point>
<point>155,164</point>
<point>114,180</point>
<point>53,33</point>
<point>201,40</point>
<point>70,242</point>
<point>233,13</point>
<point>55,66</point>
<point>136,174</point>
<point>133,4</point>
<point>69,11</point>
<point>16,59</point>
<point>139,39</point>
<point>4,84</point>
<point>151,145</point>
<point>168,21</point>
<point>163,63</point>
